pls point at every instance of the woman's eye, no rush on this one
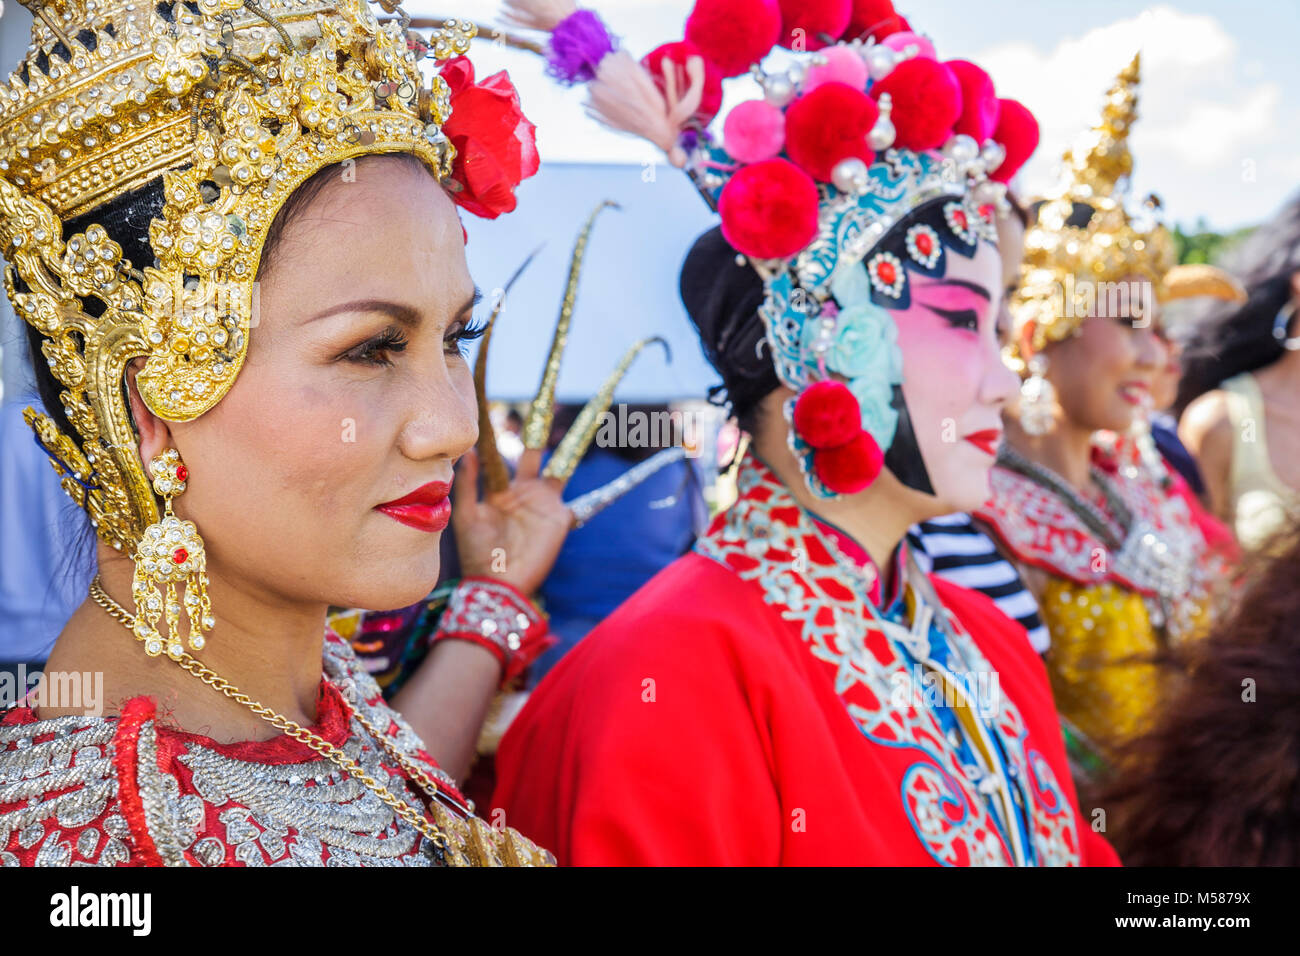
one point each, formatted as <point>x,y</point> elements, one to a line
<point>967,319</point>
<point>459,335</point>
<point>378,351</point>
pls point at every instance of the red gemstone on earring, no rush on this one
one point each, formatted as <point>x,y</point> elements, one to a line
<point>924,244</point>
<point>180,555</point>
<point>182,473</point>
<point>886,272</point>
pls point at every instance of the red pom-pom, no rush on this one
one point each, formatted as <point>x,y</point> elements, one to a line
<point>804,21</point>
<point>827,415</point>
<point>1018,133</point>
<point>874,18</point>
<point>851,467</point>
<point>734,33</point>
<point>979,104</point>
<point>677,54</point>
<point>927,102</point>
<point>828,125</point>
<point>769,209</point>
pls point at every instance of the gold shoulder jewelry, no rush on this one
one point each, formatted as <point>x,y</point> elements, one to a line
<point>464,839</point>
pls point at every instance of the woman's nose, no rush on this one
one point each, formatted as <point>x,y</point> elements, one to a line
<point>442,418</point>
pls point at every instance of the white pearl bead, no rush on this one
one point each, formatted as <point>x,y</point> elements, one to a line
<point>779,91</point>
<point>962,148</point>
<point>850,175</point>
<point>882,135</point>
<point>993,155</point>
<point>881,61</point>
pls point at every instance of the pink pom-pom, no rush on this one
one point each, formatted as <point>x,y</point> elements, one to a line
<point>805,22</point>
<point>926,102</point>
<point>734,33</point>
<point>874,18</point>
<point>829,125</point>
<point>906,38</point>
<point>842,65</point>
<point>850,468</point>
<point>827,415</point>
<point>769,210</point>
<point>754,131</point>
<point>979,104</point>
<point>1017,131</point>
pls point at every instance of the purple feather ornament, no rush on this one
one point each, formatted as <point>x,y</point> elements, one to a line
<point>578,44</point>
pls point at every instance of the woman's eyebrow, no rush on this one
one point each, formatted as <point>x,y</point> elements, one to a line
<point>974,287</point>
<point>404,314</point>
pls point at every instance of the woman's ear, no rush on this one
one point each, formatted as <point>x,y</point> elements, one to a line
<point>155,436</point>
<point>1025,341</point>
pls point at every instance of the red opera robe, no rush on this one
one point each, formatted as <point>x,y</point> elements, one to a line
<point>719,717</point>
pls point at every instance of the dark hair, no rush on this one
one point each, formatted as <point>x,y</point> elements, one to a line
<point>722,294</point>
<point>1227,339</point>
<point>1217,782</point>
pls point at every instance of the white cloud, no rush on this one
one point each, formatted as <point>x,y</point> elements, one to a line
<point>1203,109</point>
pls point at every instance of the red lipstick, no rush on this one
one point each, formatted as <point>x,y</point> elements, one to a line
<point>987,440</point>
<point>427,508</point>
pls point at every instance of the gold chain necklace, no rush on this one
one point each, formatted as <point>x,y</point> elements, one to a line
<point>475,843</point>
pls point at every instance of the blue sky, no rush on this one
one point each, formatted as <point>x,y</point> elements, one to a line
<point>1219,133</point>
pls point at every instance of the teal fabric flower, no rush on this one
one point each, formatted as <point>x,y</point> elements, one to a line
<point>865,344</point>
<point>875,396</point>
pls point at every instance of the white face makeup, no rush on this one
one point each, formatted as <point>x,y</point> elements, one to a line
<point>954,381</point>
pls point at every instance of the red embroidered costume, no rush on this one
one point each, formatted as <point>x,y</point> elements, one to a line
<point>749,707</point>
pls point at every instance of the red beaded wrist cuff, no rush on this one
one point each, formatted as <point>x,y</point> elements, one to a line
<point>495,616</point>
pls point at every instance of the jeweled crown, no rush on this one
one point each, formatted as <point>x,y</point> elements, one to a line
<point>1083,234</point>
<point>234,104</point>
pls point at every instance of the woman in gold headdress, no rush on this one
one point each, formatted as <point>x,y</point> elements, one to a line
<point>1105,535</point>
<point>231,229</point>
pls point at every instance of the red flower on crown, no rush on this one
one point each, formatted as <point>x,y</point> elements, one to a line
<point>496,145</point>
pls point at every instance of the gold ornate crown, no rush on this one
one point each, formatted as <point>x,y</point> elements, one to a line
<point>234,104</point>
<point>1083,235</point>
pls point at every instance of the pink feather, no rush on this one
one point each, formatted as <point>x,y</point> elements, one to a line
<point>537,14</point>
<point>625,98</point>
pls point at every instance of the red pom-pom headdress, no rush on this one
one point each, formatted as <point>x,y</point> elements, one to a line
<point>868,150</point>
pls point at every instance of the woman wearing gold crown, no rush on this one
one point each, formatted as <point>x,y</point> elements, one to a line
<point>1107,536</point>
<point>231,229</point>
<point>795,691</point>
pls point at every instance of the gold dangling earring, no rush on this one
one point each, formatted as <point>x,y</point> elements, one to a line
<point>1037,399</point>
<point>170,553</point>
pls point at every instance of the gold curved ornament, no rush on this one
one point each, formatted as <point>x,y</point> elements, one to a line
<point>579,437</point>
<point>1194,280</point>
<point>537,426</point>
<point>496,477</point>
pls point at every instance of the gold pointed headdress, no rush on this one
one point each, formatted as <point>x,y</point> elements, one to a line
<point>234,103</point>
<point>541,412</point>
<point>1083,235</point>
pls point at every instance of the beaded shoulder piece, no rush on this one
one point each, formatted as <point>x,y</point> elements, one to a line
<point>233,104</point>
<point>113,791</point>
